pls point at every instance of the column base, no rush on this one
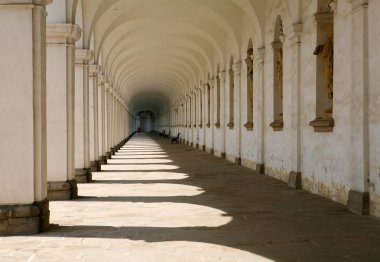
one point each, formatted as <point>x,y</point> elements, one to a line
<point>24,219</point>
<point>260,169</point>
<point>238,161</point>
<point>197,146</point>
<point>223,155</point>
<point>62,190</point>
<point>94,166</point>
<point>191,144</point>
<point>83,175</point>
<point>358,202</point>
<point>203,148</point>
<point>212,151</point>
<point>295,180</point>
<point>108,155</point>
<point>102,161</point>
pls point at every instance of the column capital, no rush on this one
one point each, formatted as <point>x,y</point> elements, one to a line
<point>95,70</point>
<point>211,82</point>
<point>357,4</point>
<point>237,67</point>
<point>259,55</point>
<point>294,33</point>
<point>222,76</point>
<point>62,33</point>
<point>83,56</point>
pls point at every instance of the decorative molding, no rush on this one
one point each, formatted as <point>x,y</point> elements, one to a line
<point>83,55</point>
<point>62,33</point>
<point>323,124</point>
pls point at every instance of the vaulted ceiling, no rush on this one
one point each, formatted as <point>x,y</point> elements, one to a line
<point>169,46</point>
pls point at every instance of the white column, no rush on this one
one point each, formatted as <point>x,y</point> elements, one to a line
<point>94,134</point>
<point>359,164</point>
<point>82,148</point>
<point>259,108</point>
<point>223,114</point>
<point>294,35</point>
<point>61,109</point>
<point>23,121</point>
<point>238,108</point>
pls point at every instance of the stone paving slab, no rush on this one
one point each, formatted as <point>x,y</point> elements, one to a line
<point>197,208</point>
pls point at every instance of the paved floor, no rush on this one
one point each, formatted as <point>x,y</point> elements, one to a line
<point>156,201</point>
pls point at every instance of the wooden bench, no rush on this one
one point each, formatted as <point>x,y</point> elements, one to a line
<point>167,135</point>
<point>176,139</point>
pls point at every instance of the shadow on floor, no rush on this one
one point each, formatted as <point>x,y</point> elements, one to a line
<point>267,218</point>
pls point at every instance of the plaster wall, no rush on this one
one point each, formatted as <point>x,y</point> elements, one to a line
<point>16,95</point>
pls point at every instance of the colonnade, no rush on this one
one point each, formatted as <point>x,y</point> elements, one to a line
<point>61,117</point>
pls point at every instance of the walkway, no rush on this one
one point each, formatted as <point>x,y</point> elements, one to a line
<point>156,201</point>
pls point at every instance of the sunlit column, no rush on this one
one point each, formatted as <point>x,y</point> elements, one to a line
<point>23,120</point>
<point>94,71</point>
<point>61,112</point>
<point>82,146</point>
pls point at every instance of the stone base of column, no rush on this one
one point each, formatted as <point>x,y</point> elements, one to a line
<point>94,166</point>
<point>204,148</point>
<point>24,219</point>
<point>197,146</point>
<point>62,190</point>
<point>223,155</point>
<point>83,175</point>
<point>358,202</point>
<point>191,144</point>
<point>295,180</point>
<point>212,151</point>
<point>102,161</point>
<point>108,155</point>
<point>238,161</point>
<point>260,169</point>
<point>187,143</point>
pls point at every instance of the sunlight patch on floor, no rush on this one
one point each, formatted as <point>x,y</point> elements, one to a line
<point>139,161</point>
<point>147,167</point>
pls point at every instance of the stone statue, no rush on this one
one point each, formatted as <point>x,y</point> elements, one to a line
<point>328,56</point>
<point>279,67</point>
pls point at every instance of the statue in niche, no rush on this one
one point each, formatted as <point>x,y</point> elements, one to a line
<point>250,75</point>
<point>327,51</point>
<point>279,67</point>
<point>328,56</point>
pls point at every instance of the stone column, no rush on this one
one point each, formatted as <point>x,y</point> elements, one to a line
<point>294,36</point>
<point>222,77</point>
<point>258,58</point>
<point>204,126</point>
<point>24,208</point>
<point>94,71</point>
<point>358,198</point>
<point>60,111</point>
<point>237,78</point>
<point>103,123</point>
<point>107,137</point>
<point>212,99</point>
<point>82,118</point>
